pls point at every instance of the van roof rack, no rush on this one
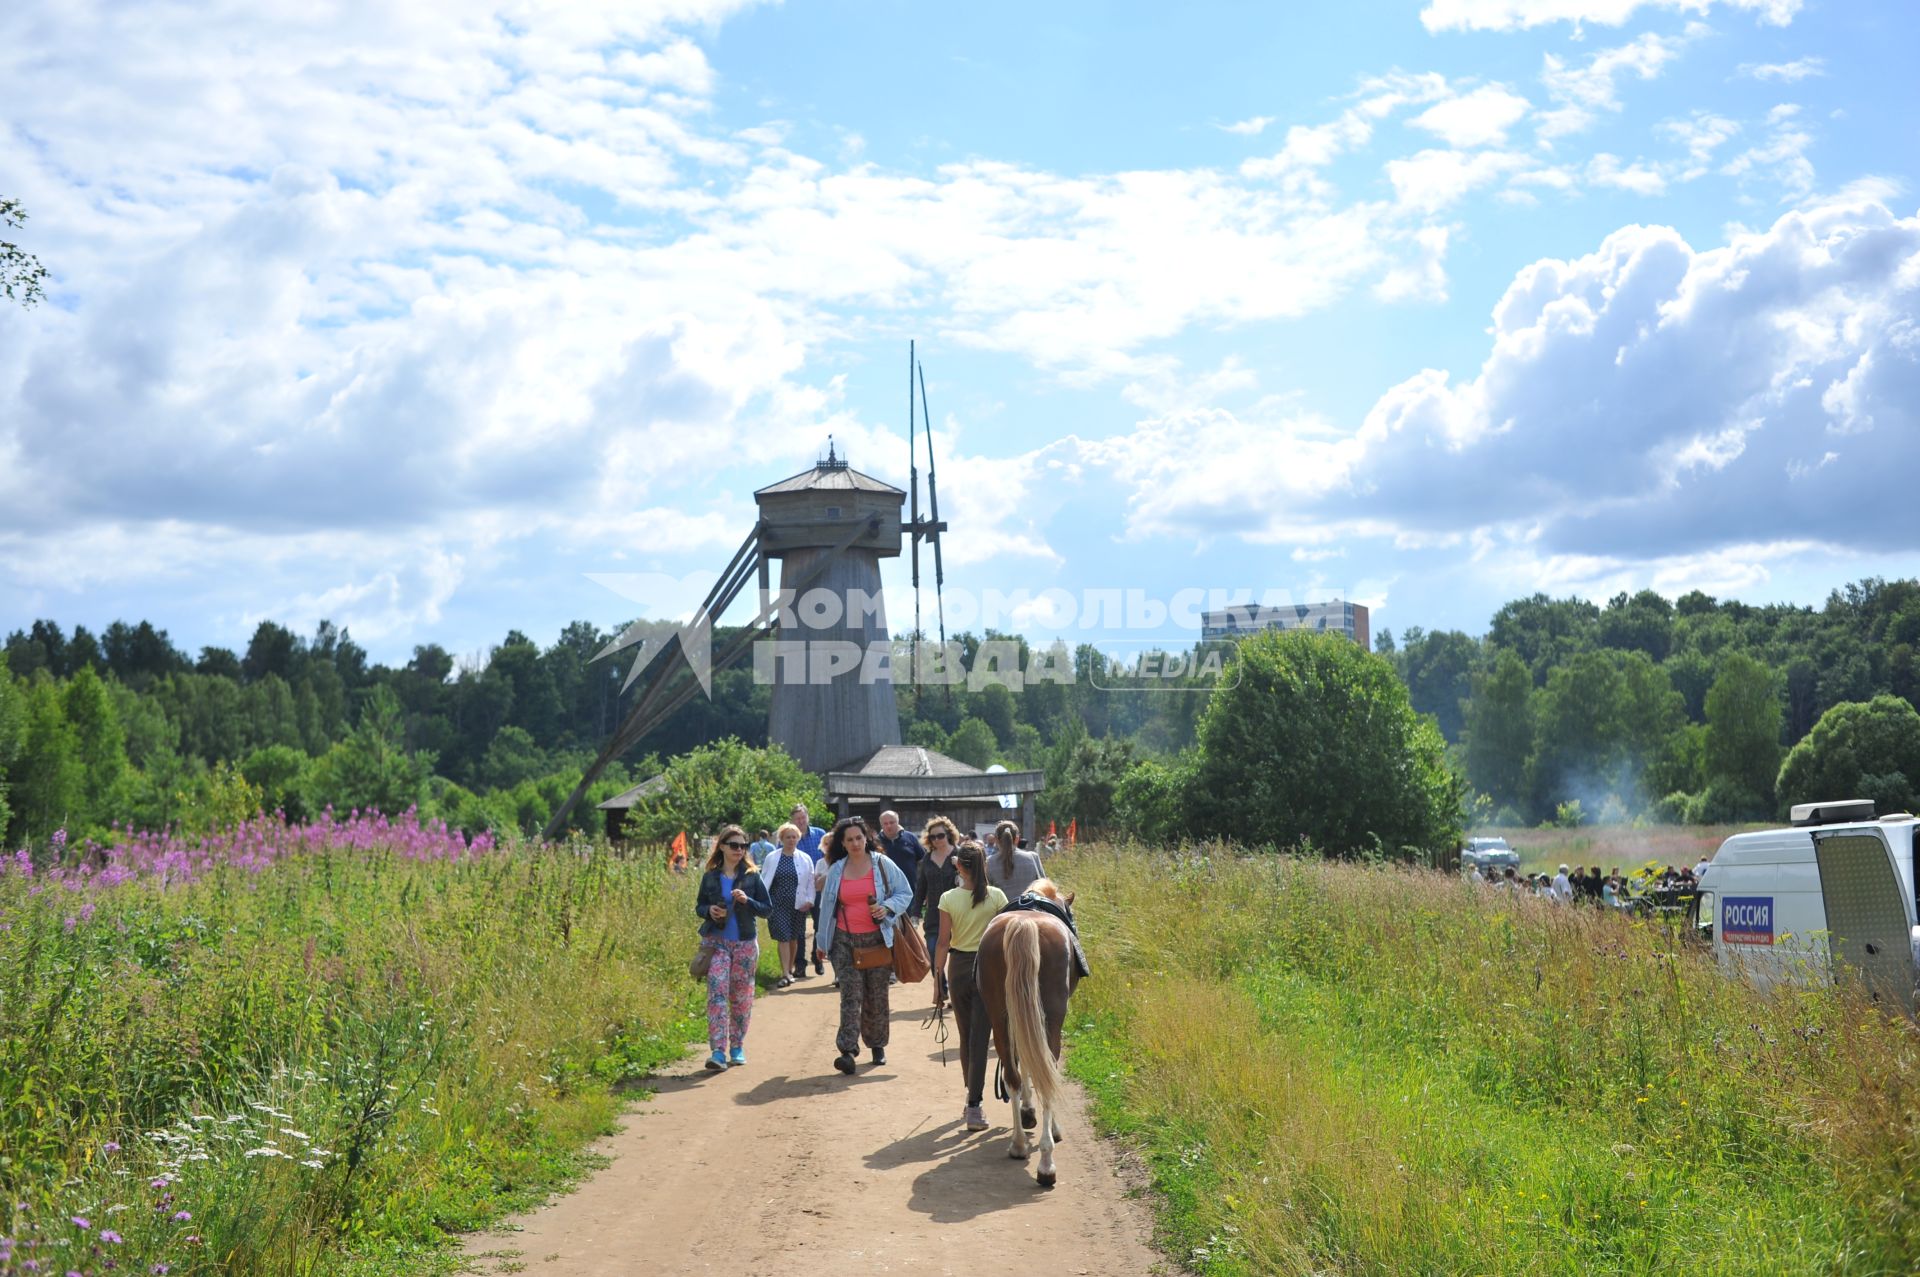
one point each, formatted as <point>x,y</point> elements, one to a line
<point>1836,812</point>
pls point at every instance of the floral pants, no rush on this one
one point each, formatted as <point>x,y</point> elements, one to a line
<point>730,992</point>
<point>863,994</point>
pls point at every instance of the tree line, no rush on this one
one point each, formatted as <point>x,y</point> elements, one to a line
<point>1685,710</point>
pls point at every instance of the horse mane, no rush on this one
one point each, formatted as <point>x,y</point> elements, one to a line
<point>1047,887</point>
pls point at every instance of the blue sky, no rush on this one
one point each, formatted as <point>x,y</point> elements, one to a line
<point>429,322</point>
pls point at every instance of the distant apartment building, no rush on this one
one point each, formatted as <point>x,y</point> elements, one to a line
<point>1338,615</point>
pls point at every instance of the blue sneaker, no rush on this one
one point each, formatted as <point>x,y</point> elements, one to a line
<point>717,1062</point>
<point>738,1057</point>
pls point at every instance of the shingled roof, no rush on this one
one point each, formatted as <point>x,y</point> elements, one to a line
<point>829,478</point>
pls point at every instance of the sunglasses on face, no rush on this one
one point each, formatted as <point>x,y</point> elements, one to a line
<point>735,845</point>
<point>936,836</point>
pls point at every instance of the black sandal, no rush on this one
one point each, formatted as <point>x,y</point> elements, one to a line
<point>784,982</point>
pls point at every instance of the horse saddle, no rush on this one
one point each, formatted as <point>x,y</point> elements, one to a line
<point>1030,903</point>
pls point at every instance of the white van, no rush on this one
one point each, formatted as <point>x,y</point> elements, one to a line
<point>1837,887</point>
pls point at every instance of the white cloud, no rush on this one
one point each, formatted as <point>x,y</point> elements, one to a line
<point>1431,180</point>
<point>1248,127</point>
<point>1607,170</point>
<point>1515,15</point>
<point>1780,163</point>
<point>1477,118</point>
<point>1648,410</point>
<point>1785,72</point>
<point>1582,91</point>
<point>1702,135</point>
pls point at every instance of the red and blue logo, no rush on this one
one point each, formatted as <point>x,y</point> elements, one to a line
<point>1746,919</point>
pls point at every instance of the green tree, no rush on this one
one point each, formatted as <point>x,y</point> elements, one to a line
<point>102,748</point>
<point>278,773</point>
<point>511,758</point>
<point>724,783</point>
<point>972,743</point>
<point>22,277</point>
<point>1862,749</point>
<point>1499,730</point>
<point>1311,737</point>
<point>1151,799</point>
<point>1438,671</point>
<point>371,770</point>
<point>12,725</point>
<point>1743,731</point>
<point>47,782</point>
<point>1084,789</point>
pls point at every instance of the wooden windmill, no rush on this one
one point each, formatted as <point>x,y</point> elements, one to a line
<point>828,527</point>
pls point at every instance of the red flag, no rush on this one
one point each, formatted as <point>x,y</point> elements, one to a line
<point>1073,830</point>
<point>1053,829</point>
<point>677,853</point>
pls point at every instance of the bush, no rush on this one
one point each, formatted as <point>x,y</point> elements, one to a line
<point>1860,749</point>
<point>1148,803</point>
<point>726,783</point>
<point>1311,737</point>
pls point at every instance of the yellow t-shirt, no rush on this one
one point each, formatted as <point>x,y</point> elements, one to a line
<point>969,919</point>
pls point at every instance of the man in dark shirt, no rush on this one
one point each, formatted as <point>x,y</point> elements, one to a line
<point>902,845</point>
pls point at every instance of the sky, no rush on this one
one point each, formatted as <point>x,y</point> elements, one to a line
<point>443,319</point>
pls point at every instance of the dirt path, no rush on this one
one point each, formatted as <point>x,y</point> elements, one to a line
<point>787,1167</point>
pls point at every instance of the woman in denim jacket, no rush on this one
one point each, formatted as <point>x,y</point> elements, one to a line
<point>731,895</point>
<point>859,902</point>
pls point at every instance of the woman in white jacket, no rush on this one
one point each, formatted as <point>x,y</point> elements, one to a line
<point>788,874</point>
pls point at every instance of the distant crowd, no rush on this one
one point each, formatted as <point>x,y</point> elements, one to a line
<point>1585,884</point>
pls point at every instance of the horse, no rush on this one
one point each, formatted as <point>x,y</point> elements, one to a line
<point>1027,975</point>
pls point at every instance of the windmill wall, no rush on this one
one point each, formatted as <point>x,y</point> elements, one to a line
<point>830,725</point>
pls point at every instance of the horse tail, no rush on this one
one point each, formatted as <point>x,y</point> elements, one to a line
<point>1026,1021</point>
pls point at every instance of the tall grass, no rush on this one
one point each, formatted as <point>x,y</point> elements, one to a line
<point>1624,847</point>
<point>319,1059</point>
<point>1339,1069</point>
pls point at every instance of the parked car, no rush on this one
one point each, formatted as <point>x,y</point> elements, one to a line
<point>1489,855</point>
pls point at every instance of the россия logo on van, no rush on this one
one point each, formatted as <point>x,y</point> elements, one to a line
<point>1746,919</point>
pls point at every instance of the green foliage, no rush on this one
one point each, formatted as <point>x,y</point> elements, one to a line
<point>1083,779</point>
<point>511,758</point>
<point>1743,736</point>
<point>47,781</point>
<point>279,773</point>
<point>725,783</point>
<point>422,1044</point>
<point>1150,801</point>
<point>1867,749</point>
<point>1499,729</point>
<point>972,743</point>
<point>371,770</point>
<point>22,277</point>
<point>12,727</point>
<point>1310,737</point>
<point>102,750</point>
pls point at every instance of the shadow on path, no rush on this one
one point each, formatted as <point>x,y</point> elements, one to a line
<point>975,1176</point>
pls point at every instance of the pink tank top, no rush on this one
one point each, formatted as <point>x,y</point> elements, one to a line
<point>856,905</point>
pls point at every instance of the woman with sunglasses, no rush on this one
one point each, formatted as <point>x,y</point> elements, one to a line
<point>935,879</point>
<point>731,895</point>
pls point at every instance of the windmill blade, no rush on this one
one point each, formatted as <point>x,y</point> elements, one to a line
<point>935,527</point>
<point>913,483</point>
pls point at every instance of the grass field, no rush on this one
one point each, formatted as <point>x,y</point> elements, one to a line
<point>318,1051</point>
<point>1337,1069</point>
<point>1622,847</point>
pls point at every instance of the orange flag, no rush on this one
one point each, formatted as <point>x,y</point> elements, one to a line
<point>1053,829</point>
<point>677,853</point>
<point>1073,830</point>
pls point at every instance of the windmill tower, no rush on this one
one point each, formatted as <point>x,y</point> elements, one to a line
<point>828,527</point>
<point>832,717</point>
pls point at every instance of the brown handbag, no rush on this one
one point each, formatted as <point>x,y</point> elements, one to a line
<point>909,956</point>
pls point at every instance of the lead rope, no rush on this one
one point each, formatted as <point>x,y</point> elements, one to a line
<point>937,1021</point>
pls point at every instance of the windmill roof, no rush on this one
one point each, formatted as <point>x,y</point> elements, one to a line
<point>825,478</point>
<point>912,760</point>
